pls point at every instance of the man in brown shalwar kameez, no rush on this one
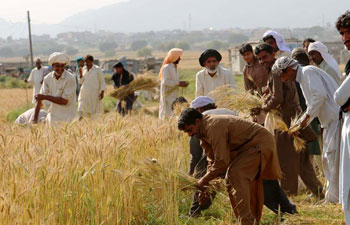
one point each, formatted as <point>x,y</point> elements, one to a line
<point>283,98</point>
<point>243,150</point>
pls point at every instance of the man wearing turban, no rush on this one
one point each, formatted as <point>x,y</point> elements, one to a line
<point>169,82</point>
<point>213,75</point>
<point>57,92</point>
<point>278,43</point>
<point>318,89</point>
<point>319,54</point>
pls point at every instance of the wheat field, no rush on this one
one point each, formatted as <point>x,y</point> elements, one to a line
<point>87,172</point>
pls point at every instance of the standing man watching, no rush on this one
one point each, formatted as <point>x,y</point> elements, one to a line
<point>342,97</point>
<point>92,90</point>
<point>58,90</point>
<point>213,75</point>
<point>36,77</point>
<point>278,43</point>
<point>169,82</point>
<point>319,54</point>
<point>78,72</point>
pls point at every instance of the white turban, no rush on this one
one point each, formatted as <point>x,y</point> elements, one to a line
<point>58,57</point>
<point>201,101</point>
<point>283,63</point>
<point>281,44</point>
<point>323,50</point>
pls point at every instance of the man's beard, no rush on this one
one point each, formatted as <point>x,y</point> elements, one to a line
<point>212,71</point>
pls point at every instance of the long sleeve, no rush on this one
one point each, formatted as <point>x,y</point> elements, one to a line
<point>31,77</point>
<point>248,85</point>
<point>168,77</point>
<point>221,155</point>
<point>102,79</point>
<point>199,86</point>
<point>318,95</point>
<point>69,90</point>
<point>276,97</point>
<point>342,94</point>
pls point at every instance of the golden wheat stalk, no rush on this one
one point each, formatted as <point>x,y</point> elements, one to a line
<point>235,99</point>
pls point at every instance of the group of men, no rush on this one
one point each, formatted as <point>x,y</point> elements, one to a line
<point>251,154</point>
<point>57,91</point>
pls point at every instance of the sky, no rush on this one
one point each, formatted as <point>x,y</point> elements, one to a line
<point>49,12</point>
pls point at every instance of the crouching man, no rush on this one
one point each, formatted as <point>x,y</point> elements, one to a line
<point>244,151</point>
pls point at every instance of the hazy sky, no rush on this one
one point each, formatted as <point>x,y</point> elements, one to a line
<point>44,11</point>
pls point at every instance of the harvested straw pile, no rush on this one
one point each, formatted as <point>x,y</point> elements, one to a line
<point>238,100</point>
<point>144,82</point>
<point>150,172</point>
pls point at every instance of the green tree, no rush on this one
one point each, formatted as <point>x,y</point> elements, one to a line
<point>136,45</point>
<point>144,52</point>
<point>107,46</point>
<point>183,45</point>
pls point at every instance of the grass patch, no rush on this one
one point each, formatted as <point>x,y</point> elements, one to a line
<point>12,82</point>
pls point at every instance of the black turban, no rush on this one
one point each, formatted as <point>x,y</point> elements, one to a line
<point>209,53</point>
<point>118,65</point>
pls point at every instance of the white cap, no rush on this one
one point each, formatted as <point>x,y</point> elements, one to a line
<point>201,101</point>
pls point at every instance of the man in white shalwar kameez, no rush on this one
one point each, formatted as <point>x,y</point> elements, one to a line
<point>213,75</point>
<point>274,39</point>
<point>342,97</point>
<point>57,92</point>
<point>36,77</point>
<point>92,89</point>
<point>318,89</point>
<point>169,82</point>
<point>319,54</point>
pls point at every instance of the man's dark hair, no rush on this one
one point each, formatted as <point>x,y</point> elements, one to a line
<point>245,48</point>
<point>343,21</point>
<point>178,100</point>
<point>308,40</point>
<point>268,37</point>
<point>300,55</point>
<point>89,58</point>
<point>263,47</point>
<point>188,117</point>
<point>208,107</point>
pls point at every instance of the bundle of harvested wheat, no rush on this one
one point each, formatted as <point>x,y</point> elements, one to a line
<point>144,82</point>
<point>298,142</point>
<point>150,172</point>
<point>238,100</point>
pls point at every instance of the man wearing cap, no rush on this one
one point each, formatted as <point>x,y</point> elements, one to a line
<point>278,43</point>
<point>213,75</point>
<point>169,82</point>
<point>36,77</point>
<point>120,78</point>
<point>319,54</point>
<point>92,90</point>
<point>57,92</point>
<point>242,150</point>
<point>318,89</point>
